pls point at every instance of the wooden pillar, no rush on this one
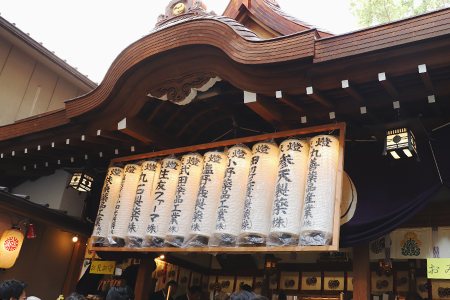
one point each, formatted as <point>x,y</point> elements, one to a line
<point>361,272</point>
<point>76,262</point>
<point>144,283</point>
<point>412,275</point>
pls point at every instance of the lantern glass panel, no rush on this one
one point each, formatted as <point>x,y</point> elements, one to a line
<point>395,155</point>
<point>76,178</point>
<point>397,139</point>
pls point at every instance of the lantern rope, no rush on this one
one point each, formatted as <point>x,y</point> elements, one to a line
<point>435,162</point>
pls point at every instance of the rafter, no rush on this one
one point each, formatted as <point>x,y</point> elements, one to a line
<point>146,132</point>
<point>208,126</point>
<point>173,117</point>
<point>426,78</point>
<point>290,101</point>
<point>387,83</point>
<point>319,97</point>
<point>352,91</point>
<point>268,110</point>
<point>191,121</point>
<point>157,109</point>
<point>116,136</point>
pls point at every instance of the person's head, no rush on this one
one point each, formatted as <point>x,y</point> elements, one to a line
<point>413,296</point>
<point>13,290</point>
<point>120,293</point>
<point>172,286</point>
<point>282,295</point>
<point>75,296</point>
<point>246,287</point>
<point>242,295</point>
<point>194,292</point>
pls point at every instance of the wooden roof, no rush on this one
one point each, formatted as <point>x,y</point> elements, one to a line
<point>371,68</point>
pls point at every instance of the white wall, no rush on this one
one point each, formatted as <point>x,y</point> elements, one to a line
<point>52,190</point>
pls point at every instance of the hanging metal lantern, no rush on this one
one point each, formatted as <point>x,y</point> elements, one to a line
<point>400,143</point>
<point>81,181</point>
<point>10,245</point>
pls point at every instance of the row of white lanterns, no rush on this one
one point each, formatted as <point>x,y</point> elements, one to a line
<point>268,195</point>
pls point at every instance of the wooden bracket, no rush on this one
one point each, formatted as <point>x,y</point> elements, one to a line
<point>319,97</point>
<point>426,78</point>
<point>352,91</point>
<point>146,132</point>
<point>388,85</point>
<point>268,110</point>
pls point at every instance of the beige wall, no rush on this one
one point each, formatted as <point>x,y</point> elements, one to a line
<point>28,87</point>
<point>52,190</point>
<point>43,262</point>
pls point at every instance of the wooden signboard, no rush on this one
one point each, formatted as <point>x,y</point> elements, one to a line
<point>332,129</point>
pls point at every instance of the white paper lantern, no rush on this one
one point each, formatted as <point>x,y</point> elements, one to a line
<point>207,199</point>
<point>124,203</point>
<point>259,195</point>
<point>227,224</point>
<point>349,199</point>
<point>108,200</point>
<point>162,199</point>
<point>289,191</point>
<point>320,191</point>
<point>142,204</point>
<point>10,245</point>
<point>184,199</point>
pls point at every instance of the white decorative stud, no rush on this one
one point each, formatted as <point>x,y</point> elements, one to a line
<point>249,97</point>
<point>363,110</point>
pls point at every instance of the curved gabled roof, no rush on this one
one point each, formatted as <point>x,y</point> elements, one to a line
<point>270,14</point>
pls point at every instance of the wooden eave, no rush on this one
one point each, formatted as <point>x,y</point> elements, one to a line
<point>13,31</point>
<point>270,15</point>
<point>216,45</point>
<point>35,212</point>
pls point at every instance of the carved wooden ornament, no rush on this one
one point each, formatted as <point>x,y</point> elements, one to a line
<point>183,90</point>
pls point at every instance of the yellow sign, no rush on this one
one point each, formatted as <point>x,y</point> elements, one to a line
<point>102,267</point>
<point>438,268</point>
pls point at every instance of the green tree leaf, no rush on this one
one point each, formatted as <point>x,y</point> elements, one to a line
<point>374,12</point>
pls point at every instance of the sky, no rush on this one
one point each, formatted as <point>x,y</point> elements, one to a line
<point>90,34</point>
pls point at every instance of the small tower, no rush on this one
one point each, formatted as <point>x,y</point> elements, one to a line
<point>179,7</point>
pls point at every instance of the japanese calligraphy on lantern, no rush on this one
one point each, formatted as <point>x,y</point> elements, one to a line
<point>102,267</point>
<point>162,198</point>
<point>438,268</point>
<point>142,201</point>
<point>208,194</point>
<point>185,198</point>
<point>107,201</point>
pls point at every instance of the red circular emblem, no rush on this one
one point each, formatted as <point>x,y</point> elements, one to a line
<point>11,244</point>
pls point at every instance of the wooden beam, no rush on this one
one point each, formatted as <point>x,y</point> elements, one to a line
<point>192,120</point>
<point>117,136</point>
<point>208,126</point>
<point>361,272</point>
<point>146,132</point>
<point>173,117</point>
<point>387,83</point>
<point>91,140</point>
<point>352,91</point>
<point>426,78</point>
<point>144,280</point>
<point>268,110</point>
<point>319,97</point>
<point>292,102</point>
<point>157,109</point>
<point>76,262</point>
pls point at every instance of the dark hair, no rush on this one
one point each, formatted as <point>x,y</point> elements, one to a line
<point>12,289</point>
<point>75,296</point>
<point>413,296</point>
<point>282,295</point>
<point>195,289</point>
<point>120,293</point>
<point>242,295</point>
<point>172,283</point>
<point>247,288</point>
